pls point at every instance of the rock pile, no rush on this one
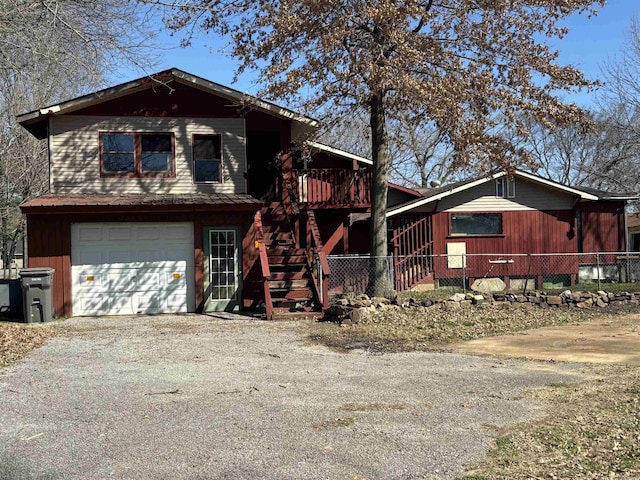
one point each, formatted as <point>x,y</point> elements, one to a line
<point>352,309</point>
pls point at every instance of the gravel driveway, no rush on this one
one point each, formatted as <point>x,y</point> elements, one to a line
<point>198,397</point>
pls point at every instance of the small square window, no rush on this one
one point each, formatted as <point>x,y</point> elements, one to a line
<point>207,158</point>
<point>118,153</point>
<point>156,153</point>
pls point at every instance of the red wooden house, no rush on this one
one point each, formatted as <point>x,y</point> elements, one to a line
<point>170,193</point>
<point>490,224</point>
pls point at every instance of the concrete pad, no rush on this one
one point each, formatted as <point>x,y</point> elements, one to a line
<point>610,340</point>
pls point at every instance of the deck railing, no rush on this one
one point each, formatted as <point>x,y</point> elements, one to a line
<point>332,187</point>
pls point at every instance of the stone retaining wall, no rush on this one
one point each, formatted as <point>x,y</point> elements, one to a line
<point>350,309</point>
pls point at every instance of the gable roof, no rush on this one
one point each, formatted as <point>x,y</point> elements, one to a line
<point>434,194</point>
<point>337,152</point>
<point>35,121</point>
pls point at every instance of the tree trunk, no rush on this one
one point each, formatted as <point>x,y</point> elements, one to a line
<point>5,245</point>
<point>380,282</point>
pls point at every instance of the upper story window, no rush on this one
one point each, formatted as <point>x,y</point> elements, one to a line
<point>506,187</point>
<point>137,155</point>
<point>207,158</point>
<point>476,223</point>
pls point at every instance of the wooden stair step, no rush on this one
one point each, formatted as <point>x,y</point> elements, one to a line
<point>287,259</point>
<point>288,275</point>
<point>275,220</point>
<point>288,284</point>
<point>285,251</point>
<point>278,235</point>
<point>297,294</point>
<point>280,243</point>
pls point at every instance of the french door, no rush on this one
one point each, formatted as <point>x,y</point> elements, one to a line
<point>222,270</point>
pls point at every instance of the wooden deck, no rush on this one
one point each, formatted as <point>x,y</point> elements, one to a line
<point>329,188</point>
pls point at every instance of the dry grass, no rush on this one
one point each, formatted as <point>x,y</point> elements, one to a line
<point>592,432</point>
<point>18,339</point>
<point>406,329</point>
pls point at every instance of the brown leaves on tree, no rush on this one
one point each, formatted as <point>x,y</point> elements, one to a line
<point>472,67</point>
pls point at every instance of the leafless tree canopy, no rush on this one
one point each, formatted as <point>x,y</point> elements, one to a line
<point>51,50</point>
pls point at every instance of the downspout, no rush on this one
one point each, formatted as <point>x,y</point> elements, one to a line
<point>49,129</point>
<point>626,227</point>
<point>626,241</point>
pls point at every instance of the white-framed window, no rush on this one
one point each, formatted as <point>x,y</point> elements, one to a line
<point>505,187</point>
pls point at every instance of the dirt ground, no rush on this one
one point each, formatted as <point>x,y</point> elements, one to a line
<point>613,339</point>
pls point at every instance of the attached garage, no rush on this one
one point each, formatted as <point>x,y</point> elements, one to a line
<point>145,254</point>
<point>132,268</point>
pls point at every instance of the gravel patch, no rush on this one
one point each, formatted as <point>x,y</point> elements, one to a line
<point>188,397</point>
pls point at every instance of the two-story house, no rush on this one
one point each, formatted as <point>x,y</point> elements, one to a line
<point>161,194</point>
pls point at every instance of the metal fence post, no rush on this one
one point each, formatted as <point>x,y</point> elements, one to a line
<point>463,258</point>
<point>598,267</point>
<point>319,275</point>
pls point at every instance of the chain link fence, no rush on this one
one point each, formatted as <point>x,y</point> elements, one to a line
<point>499,272</point>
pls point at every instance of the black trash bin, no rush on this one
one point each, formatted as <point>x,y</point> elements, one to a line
<point>36,294</point>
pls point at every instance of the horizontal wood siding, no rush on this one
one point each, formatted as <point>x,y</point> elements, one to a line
<point>603,227</point>
<point>529,196</point>
<point>75,164</point>
<point>49,245</point>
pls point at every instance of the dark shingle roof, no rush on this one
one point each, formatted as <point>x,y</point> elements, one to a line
<point>603,195</point>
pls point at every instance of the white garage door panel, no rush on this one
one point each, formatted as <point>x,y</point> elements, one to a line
<point>92,303</point>
<point>129,268</point>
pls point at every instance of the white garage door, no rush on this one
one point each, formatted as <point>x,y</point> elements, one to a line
<point>130,268</point>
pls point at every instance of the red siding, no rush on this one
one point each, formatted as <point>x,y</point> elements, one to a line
<point>534,232</point>
<point>49,245</point>
<point>603,227</point>
<point>185,101</point>
<point>529,231</point>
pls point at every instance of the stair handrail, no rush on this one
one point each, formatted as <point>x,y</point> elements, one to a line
<point>316,248</point>
<point>412,245</point>
<point>264,264</point>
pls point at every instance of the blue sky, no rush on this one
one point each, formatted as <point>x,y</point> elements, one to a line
<point>588,45</point>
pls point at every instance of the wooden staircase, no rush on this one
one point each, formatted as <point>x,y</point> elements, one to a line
<point>288,276</point>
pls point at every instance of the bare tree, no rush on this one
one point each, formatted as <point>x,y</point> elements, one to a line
<point>607,155</point>
<point>603,156</point>
<point>464,65</point>
<point>620,116</point>
<point>418,153</point>
<point>51,50</point>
